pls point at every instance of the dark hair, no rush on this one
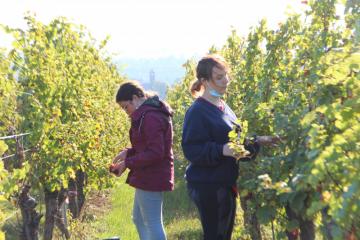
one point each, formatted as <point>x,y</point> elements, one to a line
<point>204,70</point>
<point>128,89</point>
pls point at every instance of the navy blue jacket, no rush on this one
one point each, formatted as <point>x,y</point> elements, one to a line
<point>205,132</point>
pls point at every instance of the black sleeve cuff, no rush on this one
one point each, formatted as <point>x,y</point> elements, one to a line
<point>253,147</point>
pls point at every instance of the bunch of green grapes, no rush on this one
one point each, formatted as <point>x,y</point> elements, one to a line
<point>237,138</point>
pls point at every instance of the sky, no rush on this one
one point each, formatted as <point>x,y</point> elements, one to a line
<point>153,28</point>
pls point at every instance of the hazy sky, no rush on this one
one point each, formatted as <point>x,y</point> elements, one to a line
<point>153,28</point>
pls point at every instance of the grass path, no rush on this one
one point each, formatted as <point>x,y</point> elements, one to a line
<point>180,217</point>
<point>117,220</point>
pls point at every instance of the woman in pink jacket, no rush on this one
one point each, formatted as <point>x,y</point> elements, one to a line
<point>150,158</point>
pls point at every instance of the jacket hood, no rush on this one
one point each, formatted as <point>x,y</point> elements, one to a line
<point>152,104</point>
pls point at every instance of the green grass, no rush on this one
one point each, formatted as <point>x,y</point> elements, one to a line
<point>180,216</point>
<point>117,220</point>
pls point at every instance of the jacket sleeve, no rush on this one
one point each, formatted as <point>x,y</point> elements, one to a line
<point>130,152</point>
<point>153,132</point>
<point>196,142</point>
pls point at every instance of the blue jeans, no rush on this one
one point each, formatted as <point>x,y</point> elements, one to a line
<point>147,215</point>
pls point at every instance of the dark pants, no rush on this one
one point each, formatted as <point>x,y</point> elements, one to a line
<point>217,207</point>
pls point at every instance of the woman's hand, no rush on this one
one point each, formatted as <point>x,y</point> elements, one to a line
<point>228,151</point>
<point>120,157</point>
<point>118,168</point>
<point>271,141</point>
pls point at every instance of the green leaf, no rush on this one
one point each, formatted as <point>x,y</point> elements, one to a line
<point>293,224</point>
<point>298,201</point>
<point>3,147</point>
<point>265,214</point>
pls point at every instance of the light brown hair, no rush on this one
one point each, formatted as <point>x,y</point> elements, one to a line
<point>204,71</point>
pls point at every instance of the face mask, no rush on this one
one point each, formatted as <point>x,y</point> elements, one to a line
<point>213,92</point>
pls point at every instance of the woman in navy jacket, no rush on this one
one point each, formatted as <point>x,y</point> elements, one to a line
<point>150,158</point>
<point>213,169</point>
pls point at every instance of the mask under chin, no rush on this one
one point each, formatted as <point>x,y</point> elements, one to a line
<point>215,93</point>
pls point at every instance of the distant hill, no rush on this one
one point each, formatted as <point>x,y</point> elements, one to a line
<point>154,74</point>
<point>167,69</point>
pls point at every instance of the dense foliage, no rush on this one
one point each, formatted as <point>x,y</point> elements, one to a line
<point>67,102</point>
<point>300,81</point>
<point>64,95</point>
